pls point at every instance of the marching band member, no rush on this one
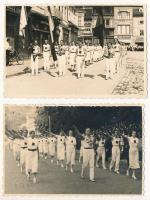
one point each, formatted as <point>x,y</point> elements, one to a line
<point>52,147</point>
<point>133,154</point>
<point>35,59</point>
<point>61,148</point>
<point>115,159</point>
<point>72,53</point>
<point>46,55</point>
<point>88,154</point>
<point>70,150</point>
<point>32,156</point>
<point>101,152</point>
<point>80,60</point>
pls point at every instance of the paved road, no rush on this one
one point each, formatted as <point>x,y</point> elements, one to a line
<point>53,179</point>
<point>47,85</point>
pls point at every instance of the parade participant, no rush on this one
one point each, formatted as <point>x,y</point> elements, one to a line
<point>80,60</point>
<point>45,147</point>
<point>40,146</point>
<point>8,49</point>
<point>133,154</point>
<point>117,55</point>
<point>23,151</point>
<point>87,57</point>
<point>70,151</point>
<point>72,52</point>
<point>46,55</point>
<point>88,154</point>
<point>101,151</point>
<point>100,52</point>
<point>32,156</point>
<point>62,60</point>
<point>56,47</point>
<point>67,51</point>
<point>16,150</point>
<point>110,63</point>
<point>52,147</point>
<point>81,150</point>
<point>61,148</point>
<point>35,59</point>
<point>115,159</point>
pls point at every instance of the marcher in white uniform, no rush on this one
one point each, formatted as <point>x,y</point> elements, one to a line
<point>46,55</point>
<point>45,147</point>
<point>117,55</point>
<point>70,150</point>
<point>52,147</point>
<point>72,53</point>
<point>101,152</point>
<point>35,59</point>
<point>61,148</point>
<point>115,159</point>
<point>81,151</point>
<point>88,55</point>
<point>32,156</point>
<point>133,154</point>
<point>80,61</point>
<point>88,154</point>
<point>110,64</point>
<point>62,60</point>
<point>40,146</point>
<point>23,151</point>
<point>16,150</point>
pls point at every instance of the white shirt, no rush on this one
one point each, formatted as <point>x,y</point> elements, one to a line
<point>88,142</point>
<point>133,142</point>
<point>32,143</point>
<point>115,141</point>
<point>46,47</point>
<point>71,141</point>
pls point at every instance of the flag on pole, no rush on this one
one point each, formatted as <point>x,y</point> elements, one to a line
<point>51,24</point>
<point>23,21</point>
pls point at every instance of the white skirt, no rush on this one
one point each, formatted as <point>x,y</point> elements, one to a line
<point>61,152</point>
<point>32,161</point>
<point>134,158</point>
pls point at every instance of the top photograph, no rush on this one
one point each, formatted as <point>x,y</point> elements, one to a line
<point>75,52</point>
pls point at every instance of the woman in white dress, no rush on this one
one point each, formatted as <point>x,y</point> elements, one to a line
<point>70,151</point>
<point>133,154</point>
<point>32,156</point>
<point>61,148</point>
<point>52,147</point>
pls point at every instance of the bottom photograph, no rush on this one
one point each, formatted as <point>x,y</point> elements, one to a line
<point>73,149</point>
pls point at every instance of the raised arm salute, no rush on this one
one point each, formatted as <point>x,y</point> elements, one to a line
<point>133,154</point>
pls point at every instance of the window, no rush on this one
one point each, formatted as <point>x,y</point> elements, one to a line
<point>107,22</point>
<point>141,22</point>
<point>123,29</point>
<point>141,32</point>
<point>123,15</point>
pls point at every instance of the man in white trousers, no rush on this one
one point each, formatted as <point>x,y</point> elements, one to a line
<point>101,152</point>
<point>35,59</point>
<point>88,154</point>
<point>46,55</point>
<point>115,159</point>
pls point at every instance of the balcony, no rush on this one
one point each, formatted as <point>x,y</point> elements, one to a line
<point>56,13</point>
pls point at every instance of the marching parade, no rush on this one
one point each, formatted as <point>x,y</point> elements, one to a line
<point>76,57</point>
<point>28,148</point>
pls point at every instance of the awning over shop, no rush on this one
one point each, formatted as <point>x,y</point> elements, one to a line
<point>139,40</point>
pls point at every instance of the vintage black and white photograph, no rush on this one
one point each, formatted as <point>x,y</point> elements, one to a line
<point>73,149</point>
<point>75,51</point>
